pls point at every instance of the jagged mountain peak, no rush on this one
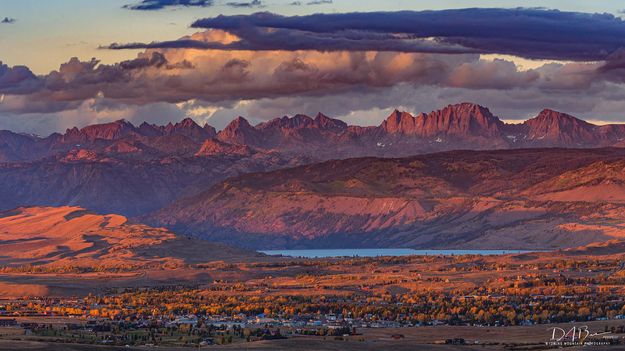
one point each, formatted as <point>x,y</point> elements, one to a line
<point>324,122</point>
<point>190,129</point>
<point>464,125</point>
<point>188,122</point>
<point>105,131</point>
<point>239,131</point>
<point>399,123</point>
<point>239,122</point>
<point>463,120</point>
<point>459,120</point>
<point>210,129</point>
<point>120,123</point>
<point>286,122</point>
<point>467,110</point>
<point>556,117</point>
<point>556,128</point>
<point>215,147</point>
<point>300,121</point>
<point>469,106</point>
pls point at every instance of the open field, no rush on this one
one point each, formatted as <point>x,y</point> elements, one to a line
<point>293,276</point>
<point>398,303</point>
<point>424,338</point>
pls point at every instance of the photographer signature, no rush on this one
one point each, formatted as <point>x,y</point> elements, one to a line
<point>575,334</point>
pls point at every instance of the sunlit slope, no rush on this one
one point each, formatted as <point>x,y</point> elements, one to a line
<point>73,236</point>
<point>513,199</point>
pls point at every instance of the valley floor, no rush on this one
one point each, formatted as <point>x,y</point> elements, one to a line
<point>507,302</point>
<point>419,338</point>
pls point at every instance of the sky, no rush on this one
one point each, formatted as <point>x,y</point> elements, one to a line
<point>79,62</point>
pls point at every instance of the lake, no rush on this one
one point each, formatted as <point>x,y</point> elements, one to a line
<point>325,253</point>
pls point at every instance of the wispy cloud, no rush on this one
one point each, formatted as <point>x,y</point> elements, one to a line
<point>253,3</point>
<point>310,3</point>
<point>150,5</point>
<point>319,2</point>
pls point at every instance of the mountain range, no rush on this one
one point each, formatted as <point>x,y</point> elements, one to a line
<point>460,126</point>
<point>302,182</point>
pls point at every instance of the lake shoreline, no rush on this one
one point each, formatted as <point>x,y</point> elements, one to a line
<point>338,253</point>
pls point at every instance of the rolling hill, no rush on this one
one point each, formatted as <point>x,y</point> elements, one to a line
<point>61,237</point>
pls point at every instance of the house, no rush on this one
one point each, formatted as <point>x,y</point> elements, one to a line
<point>455,341</point>
<point>5,322</point>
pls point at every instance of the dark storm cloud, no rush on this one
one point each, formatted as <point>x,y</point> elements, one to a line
<point>175,44</point>
<point>149,5</point>
<point>613,69</point>
<point>255,39</point>
<point>529,33</point>
<point>8,20</point>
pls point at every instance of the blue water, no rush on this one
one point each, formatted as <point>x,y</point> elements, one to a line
<point>325,253</point>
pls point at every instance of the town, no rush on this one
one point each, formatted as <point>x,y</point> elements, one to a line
<point>335,302</point>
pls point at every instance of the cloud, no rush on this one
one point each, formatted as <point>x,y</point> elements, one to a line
<point>259,39</point>
<point>263,63</point>
<point>77,81</point>
<point>253,3</point>
<point>358,106</point>
<point>499,74</point>
<point>310,3</point>
<point>223,77</point>
<point>92,111</point>
<point>17,80</point>
<point>150,5</point>
<point>8,20</point>
<point>361,87</point>
<point>530,33</point>
<point>613,69</point>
